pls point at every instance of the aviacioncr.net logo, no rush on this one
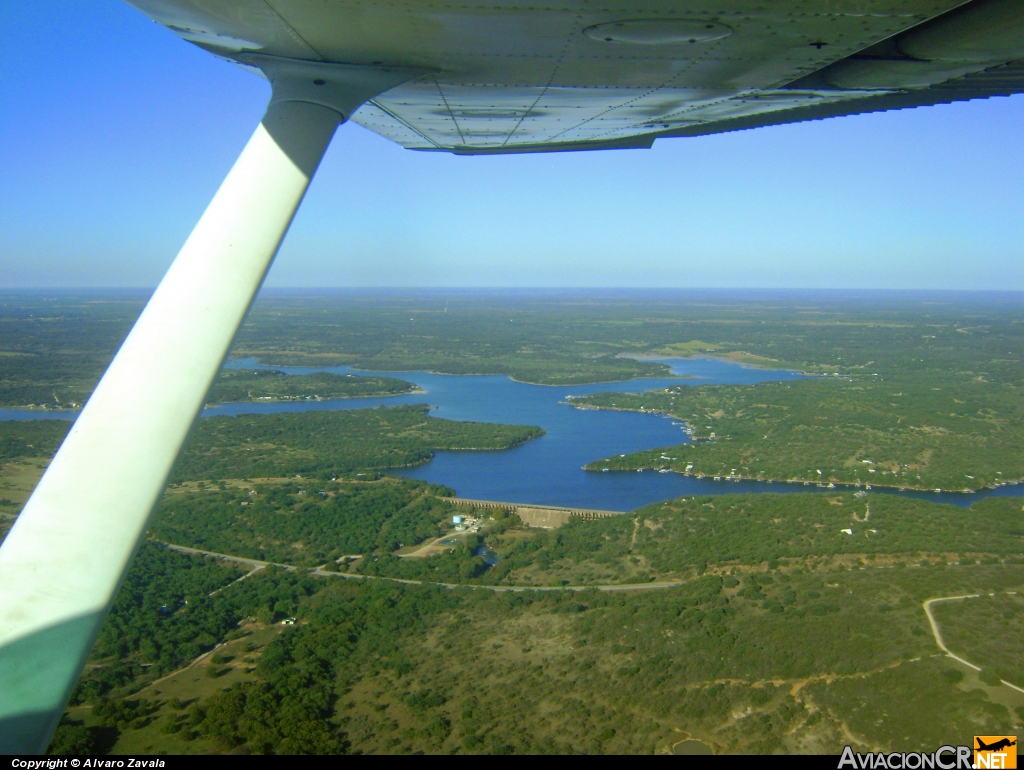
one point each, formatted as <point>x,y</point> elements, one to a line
<point>997,752</point>
<point>943,758</point>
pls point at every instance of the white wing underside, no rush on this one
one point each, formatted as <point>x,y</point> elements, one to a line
<point>515,78</point>
<point>547,83</point>
<point>442,116</point>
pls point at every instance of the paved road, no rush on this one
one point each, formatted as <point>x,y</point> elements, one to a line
<point>938,634</point>
<point>256,564</point>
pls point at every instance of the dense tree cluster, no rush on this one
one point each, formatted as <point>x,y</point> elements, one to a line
<point>173,607</point>
<point>31,438</point>
<point>290,714</point>
<point>304,522</point>
<point>920,432</point>
<point>233,385</point>
<point>687,537</point>
<point>328,444</point>
<point>463,564</point>
<point>350,629</point>
<point>73,740</point>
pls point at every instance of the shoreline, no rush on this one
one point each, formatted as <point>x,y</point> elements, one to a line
<point>512,377</point>
<point>414,392</point>
<point>728,359</point>
<point>836,484</point>
<point>299,400</point>
<point>44,408</point>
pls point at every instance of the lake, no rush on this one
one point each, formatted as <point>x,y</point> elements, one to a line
<point>548,470</point>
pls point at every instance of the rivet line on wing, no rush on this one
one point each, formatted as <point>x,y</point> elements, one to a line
<point>544,90</point>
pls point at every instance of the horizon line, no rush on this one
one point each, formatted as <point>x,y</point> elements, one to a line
<point>91,288</point>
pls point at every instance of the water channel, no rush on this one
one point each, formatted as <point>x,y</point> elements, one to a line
<point>548,470</point>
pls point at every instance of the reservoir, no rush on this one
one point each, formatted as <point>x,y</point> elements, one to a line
<point>548,470</point>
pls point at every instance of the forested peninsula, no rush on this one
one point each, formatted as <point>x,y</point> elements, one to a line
<point>910,433</point>
<point>327,444</point>
<point>235,385</point>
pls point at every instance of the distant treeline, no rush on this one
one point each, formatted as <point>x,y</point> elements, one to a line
<point>233,385</point>
<point>55,346</point>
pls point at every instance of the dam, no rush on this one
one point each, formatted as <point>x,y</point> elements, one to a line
<point>544,516</point>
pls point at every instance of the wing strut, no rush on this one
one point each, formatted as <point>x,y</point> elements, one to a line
<point>63,561</point>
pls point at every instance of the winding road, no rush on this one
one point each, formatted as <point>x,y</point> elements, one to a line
<point>938,634</point>
<point>256,565</point>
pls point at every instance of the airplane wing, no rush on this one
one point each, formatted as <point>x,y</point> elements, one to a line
<point>509,78</point>
<point>490,77</point>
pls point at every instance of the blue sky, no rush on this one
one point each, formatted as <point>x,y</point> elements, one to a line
<point>114,135</point>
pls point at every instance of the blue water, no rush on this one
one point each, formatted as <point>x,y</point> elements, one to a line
<point>27,414</point>
<point>490,557</point>
<point>548,470</point>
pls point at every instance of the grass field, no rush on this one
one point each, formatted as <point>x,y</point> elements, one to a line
<point>17,480</point>
<point>988,631</point>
